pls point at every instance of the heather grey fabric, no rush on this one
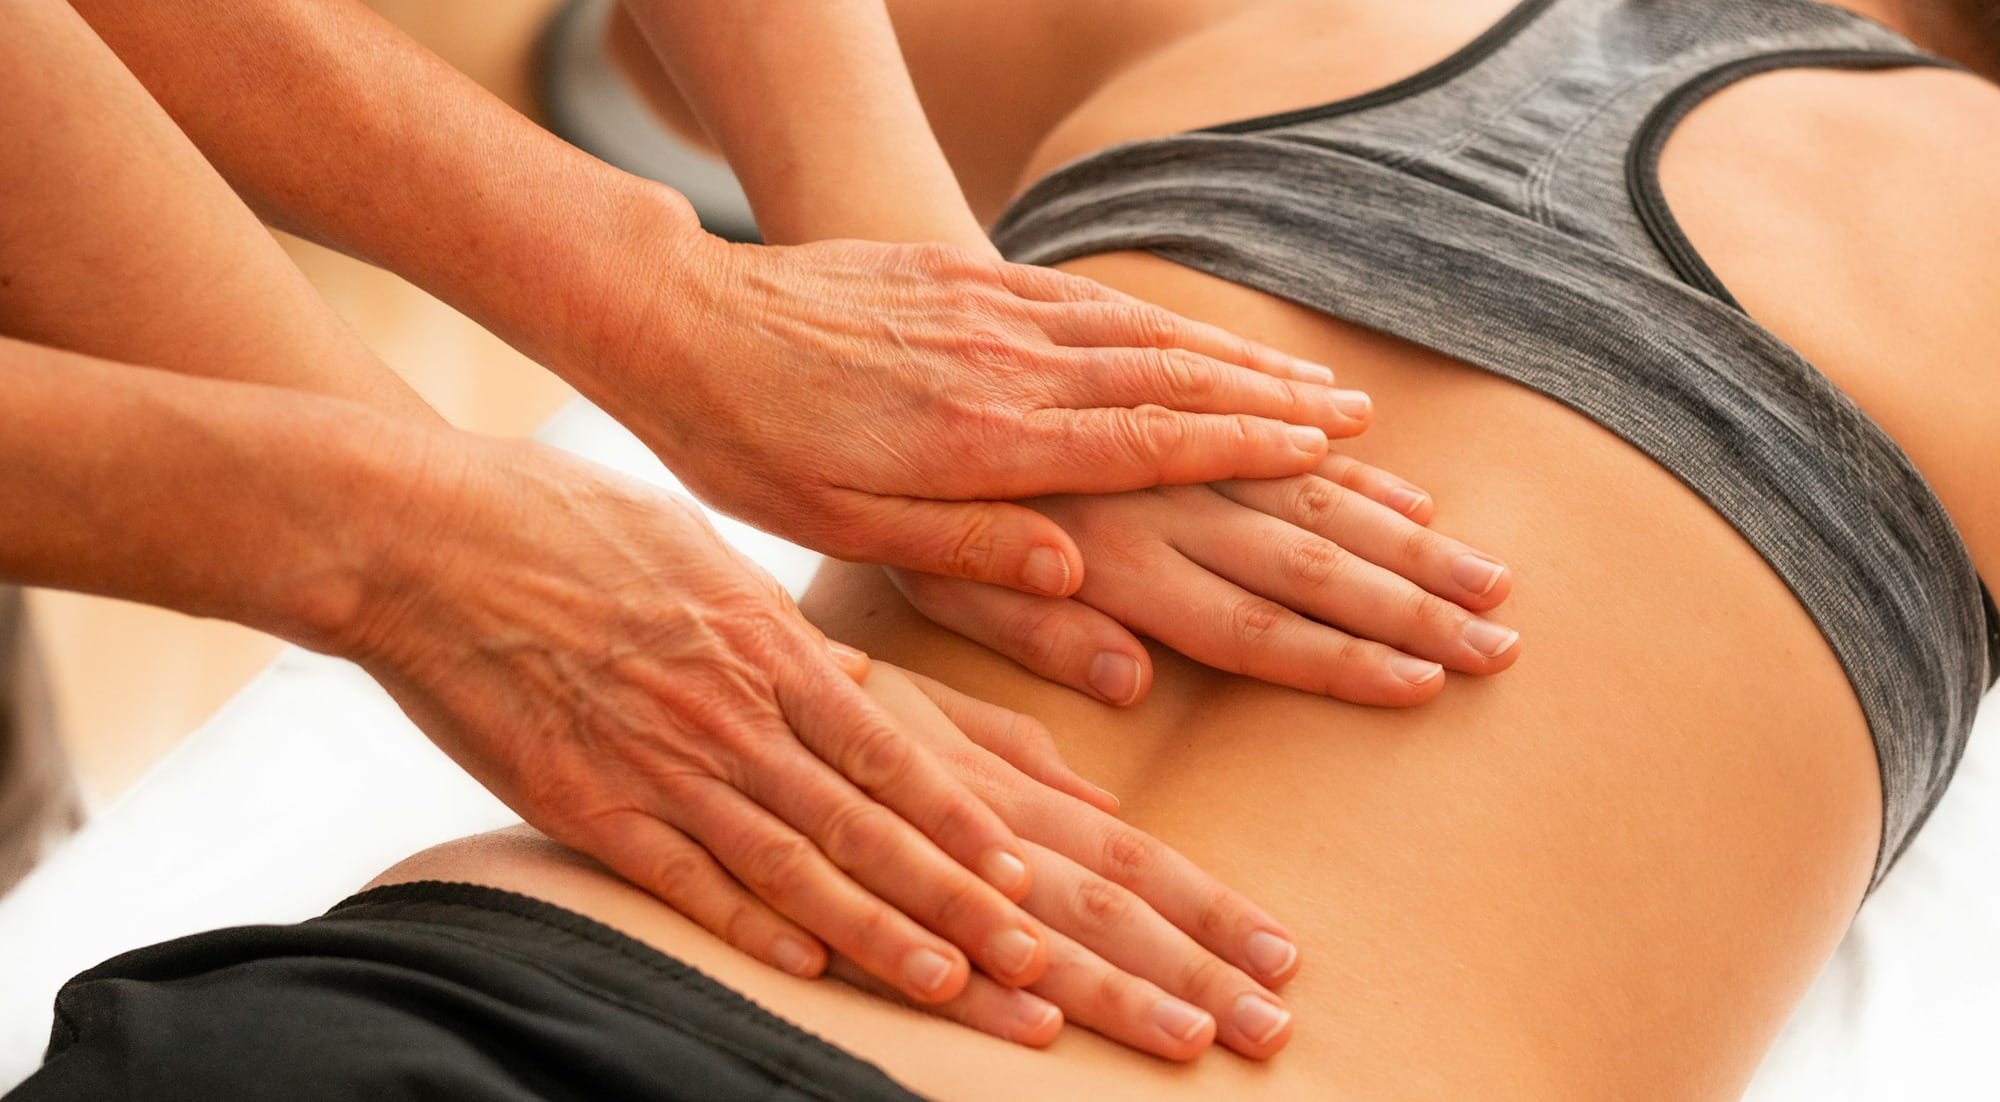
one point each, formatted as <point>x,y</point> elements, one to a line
<point>1503,208</point>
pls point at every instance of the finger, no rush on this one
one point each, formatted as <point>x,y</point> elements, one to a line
<point>1382,536</point>
<point>1181,892</point>
<point>1021,741</point>
<point>1217,622</point>
<point>1118,926</point>
<point>1132,1011</point>
<point>1101,451</point>
<point>666,863</point>
<point>994,542</point>
<point>1107,318</point>
<point>852,662</point>
<point>1065,641</point>
<point>1377,484</point>
<point>786,870</point>
<point>1331,584</point>
<point>875,837</point>
<point>1004,1012</point>
<point>1189,381</point>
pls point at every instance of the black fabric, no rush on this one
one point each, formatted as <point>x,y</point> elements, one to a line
<point>428,991</point>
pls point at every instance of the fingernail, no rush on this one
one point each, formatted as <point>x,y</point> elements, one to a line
<point>1477,573</point>
<point>927,970</point>
<point>1416,671</point>
<point>793,956</point>
<point>1110,797</point>
<point>1352,403</point>
<point>1047,571</point>
<point>1271,955</point>
<point>1179,1020</point>
<point>1489,638</point>
<point>1407,502</point>
<point>1005,871</point>
<point>1307,439</point>
<point>1306,371</point>
<point>1258,1018</point>
<point>1012,951</point>
<point>1114,678</point>
<point>1034,1016</point>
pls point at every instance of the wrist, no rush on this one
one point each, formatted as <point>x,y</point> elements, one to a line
<point>380,544</point>
<point>622,290</point>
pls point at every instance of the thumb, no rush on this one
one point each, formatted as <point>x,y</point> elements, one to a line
<point>999,543</point>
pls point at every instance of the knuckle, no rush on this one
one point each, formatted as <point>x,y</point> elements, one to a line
<point>1419,545</point>
<point>1432,611</point>
<point>1188,377</point>
<point>1037,635</point>
<point>677,871</point>
<point>1128,856</point>
<point>1314,561</point>
<point>741,924</point>
<point>775,866</point>
<point>1205,975</point>
<point>1152,327</point>
<point>1315,503</point>
<point>1155,432</point>
<point>878,758</point>
<point>959,903</point>
<point>857,833</point>
<point>1100,907</point>
<point>971,549</point>
<point>1254,621</point>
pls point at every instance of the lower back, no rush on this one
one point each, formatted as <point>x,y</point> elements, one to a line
<point>1613,868</point>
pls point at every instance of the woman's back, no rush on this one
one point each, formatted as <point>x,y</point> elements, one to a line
<point>1612,870</point>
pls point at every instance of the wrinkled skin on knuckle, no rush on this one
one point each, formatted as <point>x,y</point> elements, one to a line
<point>1313,562</point>
<point>675,869</point>
<point>1153,434</point>
<point>1203,974</point>
<point>960,903</point>
<point>1256,622</point>
<point>1187,377</point>
<point>971,550</point>
<point>1152,327</point>
<point>858,834</point>
<point>878,758</point>
<point>1430,614</point>
<point>1039,637</point>
<point>776,866</point>
<point>1315,504</point>
<point>1100,909</point>
<point>1127,856</point>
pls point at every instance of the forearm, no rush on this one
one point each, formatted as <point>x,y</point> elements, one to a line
<point>335,125</point>
<point>117,240</point>
<point>850,154</point>
<point>250,503</point>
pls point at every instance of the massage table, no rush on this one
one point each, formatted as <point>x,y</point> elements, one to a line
<point>310,781</point>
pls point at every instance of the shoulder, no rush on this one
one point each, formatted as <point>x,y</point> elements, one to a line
<point>1857,216</point>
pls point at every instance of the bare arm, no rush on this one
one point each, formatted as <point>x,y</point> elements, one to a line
<point>850,154</point>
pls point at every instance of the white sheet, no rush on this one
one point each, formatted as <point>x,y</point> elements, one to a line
<point>310,781</point>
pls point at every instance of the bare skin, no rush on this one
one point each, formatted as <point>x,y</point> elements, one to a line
<point>1610,873</point>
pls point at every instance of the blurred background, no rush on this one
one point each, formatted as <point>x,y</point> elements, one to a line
<point>130,682</point>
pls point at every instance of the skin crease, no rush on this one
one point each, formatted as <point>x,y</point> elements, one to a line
<point>1611,872</point>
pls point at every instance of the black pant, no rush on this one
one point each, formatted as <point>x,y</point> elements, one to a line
<point>429,991</point>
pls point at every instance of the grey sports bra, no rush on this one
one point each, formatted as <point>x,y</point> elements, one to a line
<point>1503,207</point>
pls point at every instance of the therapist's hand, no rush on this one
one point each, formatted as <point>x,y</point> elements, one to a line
<point>1327,582</point>
<point>1147,949</point>
<point>594,654</point>
<point>885,403</point>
